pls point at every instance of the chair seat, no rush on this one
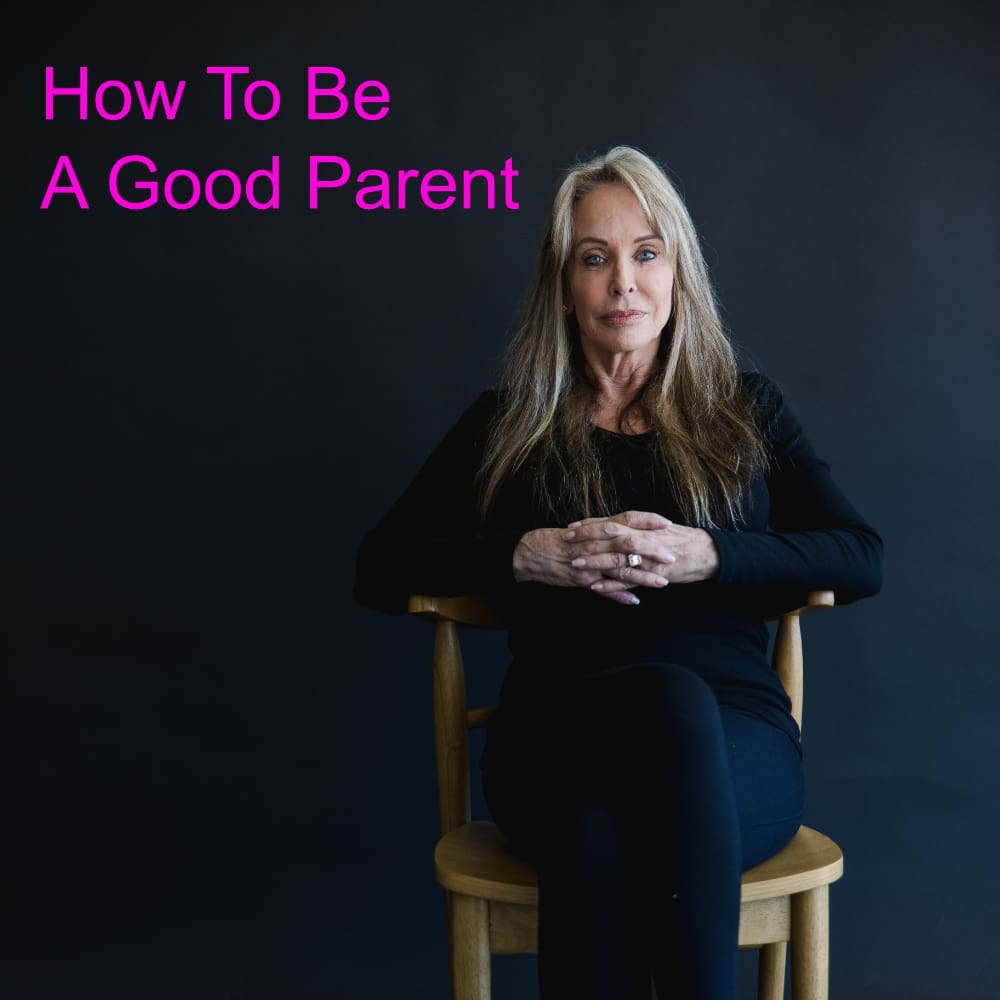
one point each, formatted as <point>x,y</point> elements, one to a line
<point>474,860</point>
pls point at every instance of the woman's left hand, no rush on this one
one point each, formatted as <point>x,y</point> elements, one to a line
<point>674,552</point>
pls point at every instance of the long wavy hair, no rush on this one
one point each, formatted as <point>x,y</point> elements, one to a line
<point>707,444</point>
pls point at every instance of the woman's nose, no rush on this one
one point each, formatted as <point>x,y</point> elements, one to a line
<point>622,279</point>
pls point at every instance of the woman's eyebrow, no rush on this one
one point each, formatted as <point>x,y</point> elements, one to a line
<point>597,239</point>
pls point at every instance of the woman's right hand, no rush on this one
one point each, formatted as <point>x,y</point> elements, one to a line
<point>543,556</point>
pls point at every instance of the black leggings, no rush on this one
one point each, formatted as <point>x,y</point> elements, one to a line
<point>641,802</point>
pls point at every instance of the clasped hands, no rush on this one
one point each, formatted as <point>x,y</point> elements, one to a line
<point>595,552</point>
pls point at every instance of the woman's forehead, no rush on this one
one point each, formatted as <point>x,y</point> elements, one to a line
<point>611,205</point>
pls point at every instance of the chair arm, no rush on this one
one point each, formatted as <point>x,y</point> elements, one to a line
<point>466,609</point>
<point>817,599</point>
<point>803,603</point>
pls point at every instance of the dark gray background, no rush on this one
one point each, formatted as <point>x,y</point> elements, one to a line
<point>219,776</point>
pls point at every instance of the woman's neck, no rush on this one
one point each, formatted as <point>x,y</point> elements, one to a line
<point>615,387</point>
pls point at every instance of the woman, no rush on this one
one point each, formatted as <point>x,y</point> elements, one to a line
<point>641,505</point>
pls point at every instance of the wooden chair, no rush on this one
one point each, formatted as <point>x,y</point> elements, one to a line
<point>492,897</point>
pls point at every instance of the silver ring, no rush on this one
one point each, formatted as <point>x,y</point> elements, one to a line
<point>634,559</point>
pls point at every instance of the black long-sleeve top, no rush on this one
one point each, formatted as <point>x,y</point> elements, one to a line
<point>798,533</point>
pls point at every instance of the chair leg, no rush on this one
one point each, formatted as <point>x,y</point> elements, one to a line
<point>469,936</point>
<point>771,971</point>
<point>811,944</point>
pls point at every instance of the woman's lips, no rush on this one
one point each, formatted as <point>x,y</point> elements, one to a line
<point>622,317</point>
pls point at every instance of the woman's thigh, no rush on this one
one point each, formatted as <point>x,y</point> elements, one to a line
<point>766,768</point>
<point>542,755</point>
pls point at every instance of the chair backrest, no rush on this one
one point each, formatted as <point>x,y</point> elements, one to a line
<point>453,718</point>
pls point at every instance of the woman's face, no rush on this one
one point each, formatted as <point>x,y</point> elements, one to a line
<point>619,279</point>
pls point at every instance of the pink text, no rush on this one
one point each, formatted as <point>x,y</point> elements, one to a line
<point>113,98</point>
<point>436,189</point>
<point>182,189</point>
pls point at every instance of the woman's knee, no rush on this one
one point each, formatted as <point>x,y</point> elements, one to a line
<point>658,702</point>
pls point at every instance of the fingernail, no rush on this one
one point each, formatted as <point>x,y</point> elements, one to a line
<point>597,586</point>
<point>578,563</point>
<point>632,599</point>
<point>661,581</point>
<point>569,536</point>
<point>575,524</point>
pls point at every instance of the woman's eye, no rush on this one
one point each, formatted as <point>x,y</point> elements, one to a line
<point>593,259</point>
<point>647,254</point>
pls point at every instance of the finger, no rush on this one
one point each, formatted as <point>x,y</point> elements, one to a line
<point>614,565</point>
<point>629,577</point>
<point>592,527</point>
<point>587,520</point>
<point>634,578</point>
<point>585,578</point>
<point>612,588</point>
<point>612,552</point>
<point>596,528</point>
<point>645,520</point>
<point>625,597</point>
<point>641,519</point>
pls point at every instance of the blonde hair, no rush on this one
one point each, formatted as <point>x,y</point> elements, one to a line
<point>707,443</point>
